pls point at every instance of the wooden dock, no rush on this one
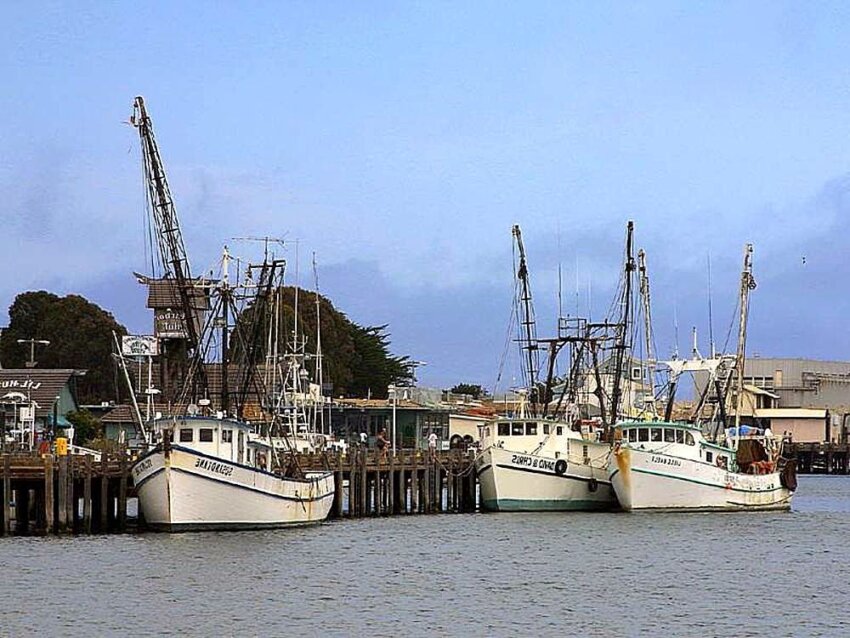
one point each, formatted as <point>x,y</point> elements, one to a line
<point>822,458</point>
<point>77,495</point>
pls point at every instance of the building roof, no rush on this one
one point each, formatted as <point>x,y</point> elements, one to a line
<point>41,385</point>
<point>790,413</point>
<point>163,293</point>
<point>374,404</point>
<point>756,390</point>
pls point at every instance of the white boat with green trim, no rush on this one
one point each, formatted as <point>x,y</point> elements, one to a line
<point>530,464</point>
<point>672,466</point>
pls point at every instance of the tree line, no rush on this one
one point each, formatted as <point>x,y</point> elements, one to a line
<point>356,359</point>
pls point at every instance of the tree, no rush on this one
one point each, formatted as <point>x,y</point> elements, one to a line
<point>474,390</point>
<point>80,335</point>
<point>86,426</point>
<point>356,359</point>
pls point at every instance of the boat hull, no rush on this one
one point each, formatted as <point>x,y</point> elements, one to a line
<point>646,480</point>
<point>186,490</point>
<point>512,481</point>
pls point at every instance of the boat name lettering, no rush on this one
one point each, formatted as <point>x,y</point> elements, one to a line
<point>663,460</point>
<point>141,467</point>
<point>213,466</point>
<point>530,461</point>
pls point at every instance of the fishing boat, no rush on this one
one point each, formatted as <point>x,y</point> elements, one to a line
<point>208,466</point>
<point>530,464</point>
<point>543,457</point>
<point>674,466</point>
<point>213,473</point>
<point>712,461</point>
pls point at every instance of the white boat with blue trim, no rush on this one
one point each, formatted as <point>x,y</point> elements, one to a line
<point>217,475</point>
<point>529,464</point>
<point>659,465</point>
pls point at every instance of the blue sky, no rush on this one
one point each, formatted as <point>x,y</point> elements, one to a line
<point>400,141</point>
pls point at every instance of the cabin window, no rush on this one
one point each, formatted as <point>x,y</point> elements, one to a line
<point>227,436</point>
<point>531,428</point>
<point>669,435</point>
<point>487,432</point>
<point>680,436</point>
<point>545,428</point>
<point>205,435</point>
<point>632,435</point>
<point>655,434</point>
<point>185,435</point>
<point>504,429</point>
<point>643,434</point>
<point>689,438</point>
<point>709,456</point>
<point>559,430</point>
<point>517,429</point>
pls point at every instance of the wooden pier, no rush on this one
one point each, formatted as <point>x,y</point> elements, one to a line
<point>48,494</point>
<point>822,458</point>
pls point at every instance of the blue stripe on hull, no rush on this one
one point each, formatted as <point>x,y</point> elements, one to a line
<point>555,505</point>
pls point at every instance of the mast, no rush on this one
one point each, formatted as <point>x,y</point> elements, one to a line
<point>527,322</point>
<point>225,292</point>
<point>748,283</point>
<point>622,343</point>
<point>647,325</point>
<point>318,411</point>
<point>172,251</point>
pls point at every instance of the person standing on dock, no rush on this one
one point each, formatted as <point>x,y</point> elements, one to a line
<point>364,440</point>
<point>432,444</point>
<point>383,443</point>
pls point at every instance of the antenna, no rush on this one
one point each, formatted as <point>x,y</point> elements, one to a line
<point>675,330</point>
<point>710,316</point>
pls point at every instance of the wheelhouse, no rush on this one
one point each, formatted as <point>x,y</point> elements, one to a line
<point>222,438</point>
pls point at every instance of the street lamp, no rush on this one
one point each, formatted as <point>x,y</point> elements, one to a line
<point>42,342</point>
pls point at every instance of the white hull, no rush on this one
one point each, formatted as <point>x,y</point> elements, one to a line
<point>188,490</point>
<point>512,481</point>
<point>646,480</point>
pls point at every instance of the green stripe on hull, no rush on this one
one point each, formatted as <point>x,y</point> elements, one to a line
<point>529,505</point>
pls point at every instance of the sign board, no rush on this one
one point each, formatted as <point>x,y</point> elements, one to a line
<point>139,346</point>
<point>169,324</point>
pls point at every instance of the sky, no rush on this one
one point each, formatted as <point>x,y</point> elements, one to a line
<point>401,141</point>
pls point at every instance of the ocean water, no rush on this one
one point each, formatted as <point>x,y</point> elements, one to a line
<point>547,574</point>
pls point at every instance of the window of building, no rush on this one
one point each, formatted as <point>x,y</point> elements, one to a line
<point>680,436</point>
<point>669,435</point>
<point>689,438</point>
<point>517,429</point>
<point>643,434</point>
<point>545,428</point>
<point>655,434</point>
<point>186,435</point>
<point>633,435</point>
<point>504,429</point>
<point>531,429</point>
<point>227,436</point>
<point>205,435</point>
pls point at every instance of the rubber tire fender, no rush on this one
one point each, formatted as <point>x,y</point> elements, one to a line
<point>560,467</point>
<point>593,485</point>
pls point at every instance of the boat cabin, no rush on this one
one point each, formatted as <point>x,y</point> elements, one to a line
<point>755,453</point>
<point>220,438</point>
<point>528,435</point>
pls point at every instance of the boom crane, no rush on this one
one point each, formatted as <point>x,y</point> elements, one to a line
<point>528,337</point>
<point>172,251</point>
